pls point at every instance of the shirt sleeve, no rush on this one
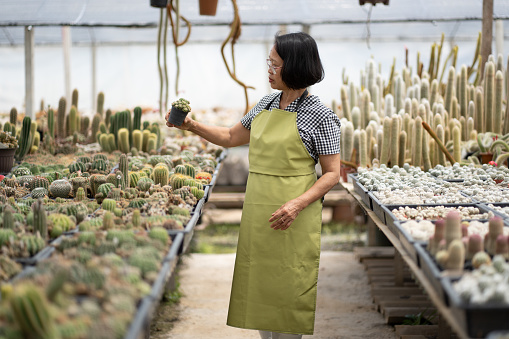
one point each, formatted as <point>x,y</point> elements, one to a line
<point>248,118</point>
<point>327,135</point>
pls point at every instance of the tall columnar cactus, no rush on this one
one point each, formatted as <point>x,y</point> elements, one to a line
<point>480,124</point>
<point>345,104</point>
<point>456,139</point>
<point>137,139</point>
<point>80,194</point>
<point>111,142</point>
<point>72,120</point>
<point>137,118</point>
<point>363,150</point>
<point>394,147</point>
<point>40,223</point>
<point>347,138</point>
<point>365,100</point>
<point>498,110</point>
<point>103,141</point>
<point>489,96</point>
<point>399,93</point>
<point>471,132</point>
<point>136,218</point>
<point>441,137</point>
<point>433,92</point>
<point>449,90</point>
<point>100,103</point>
<point>83,124</point>
<point>75,96</point>
<point>146,136</point>
<point>425,89</point>
<point>402,148</point>
<point>462,95</point>
<point>495,228</point>
<point>123,140</point>
<point>356,118</point>
<point>24,141</point>
<point>96,121</point>
<point>51,123</point>
<point>386,143</point>
<point>13,116</point>
<point>61,117</point>
<point>417,151</point>
<point>124,168</point>
<point>151,145</point>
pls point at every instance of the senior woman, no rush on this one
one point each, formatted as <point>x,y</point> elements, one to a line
<point>276,268</point>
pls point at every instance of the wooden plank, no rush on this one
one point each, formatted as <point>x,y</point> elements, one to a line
<point>372,252</point>
<point>381,298</point>
<point>405,303</point>
<point>425,330</point>
<point>413,336</point>
<point>378,262</point>
<point>419,275</point>
<point>400,291</point>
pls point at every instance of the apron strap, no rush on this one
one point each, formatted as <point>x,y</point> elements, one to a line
<point>301,99</point>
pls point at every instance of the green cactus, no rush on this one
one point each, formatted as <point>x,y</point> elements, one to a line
<point>145,138</point>
<point>402,148</point>
<point>498,109</point>
<point>144,184</point>
<point>108,222</point>
<point>95,181</point>
<point>61,117</point>
<point>8,218</point>
<point>51,123</point>
<point>137,118</point>
<point>136,218</point>
<point>199,193</point>
<point>74,99</point>
<point>24,139</point>
<point>31,312</point>
<point>394,142</point>
<point>104,142</point>
<point>151,145</point>
<point>111,142</point>
<point>161,175</point>
<point>78,182</point>
<point>39,192</point>
<point>456,135</point>
<point>80,194</point>
<point>489,97</point>
<point>160,234</point>
<point>109,204</point>
<point>100,103</point>
<point>60,188</point>
<point>105,188</point>
<point>137,139</point>
<point>96,121</point>
<point>123,140</point>
<point>13,116</point>
<point>38,181</point>
<point>133,179</point>
<point>124,168</point>
<point>40,223</point>
<point>77,167</point>
<point>72,120</point>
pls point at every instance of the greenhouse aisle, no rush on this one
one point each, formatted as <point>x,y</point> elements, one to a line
<point>344,308</point>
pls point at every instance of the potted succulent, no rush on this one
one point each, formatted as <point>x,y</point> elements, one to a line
<point>8,145</point>
<point>179,110</point>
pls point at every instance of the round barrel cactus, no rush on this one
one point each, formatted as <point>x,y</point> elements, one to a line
<point>60,188</point>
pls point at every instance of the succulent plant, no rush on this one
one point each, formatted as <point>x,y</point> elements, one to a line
<point>182,104</point>
<point>7,140</point>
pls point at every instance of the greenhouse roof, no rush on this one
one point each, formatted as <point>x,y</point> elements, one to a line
<point>116,21</point>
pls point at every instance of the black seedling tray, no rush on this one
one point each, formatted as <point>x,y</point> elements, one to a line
<point>362,192</point>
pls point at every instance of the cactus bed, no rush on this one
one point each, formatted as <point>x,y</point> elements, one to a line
<point>95,235</point>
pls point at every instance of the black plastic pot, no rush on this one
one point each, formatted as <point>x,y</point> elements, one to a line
<point>177,116</point>
<point>158,3</point>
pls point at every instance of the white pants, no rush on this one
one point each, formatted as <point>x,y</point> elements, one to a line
<point>275,335</point>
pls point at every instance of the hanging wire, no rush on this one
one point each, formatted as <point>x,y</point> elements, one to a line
<point>234,36</point>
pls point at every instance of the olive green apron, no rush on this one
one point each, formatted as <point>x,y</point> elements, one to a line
<point>276,272</point>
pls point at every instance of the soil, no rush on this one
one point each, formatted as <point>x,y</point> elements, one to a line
<point>344,307</point>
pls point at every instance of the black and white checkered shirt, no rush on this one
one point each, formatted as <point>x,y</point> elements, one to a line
<point>319,127</point>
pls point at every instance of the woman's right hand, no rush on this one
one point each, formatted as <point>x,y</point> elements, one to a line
<point>186,125</point>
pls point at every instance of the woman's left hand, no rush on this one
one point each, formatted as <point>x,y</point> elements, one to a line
<point>285,215</point>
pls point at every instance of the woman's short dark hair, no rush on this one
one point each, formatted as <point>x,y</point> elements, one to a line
<point>301,62</point>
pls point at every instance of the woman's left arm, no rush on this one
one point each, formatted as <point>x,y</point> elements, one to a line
<point>286,214</point>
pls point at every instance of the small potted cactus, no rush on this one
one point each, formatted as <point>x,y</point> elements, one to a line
<point>179,110</point>
<point>8,145</point>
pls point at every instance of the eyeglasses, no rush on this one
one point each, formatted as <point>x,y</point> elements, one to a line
<point>272,67</point>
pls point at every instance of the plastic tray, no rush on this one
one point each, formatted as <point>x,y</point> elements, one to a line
<point>140,326</point>
<point>408,242</point>
<point>430,270</point>
<point>362,192</point>
<point>477,320</point>
<point>497,213</point>
<point>351,177</point>
<point>41,255</point>
<point>390,218</point>
<point>376,206</point>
